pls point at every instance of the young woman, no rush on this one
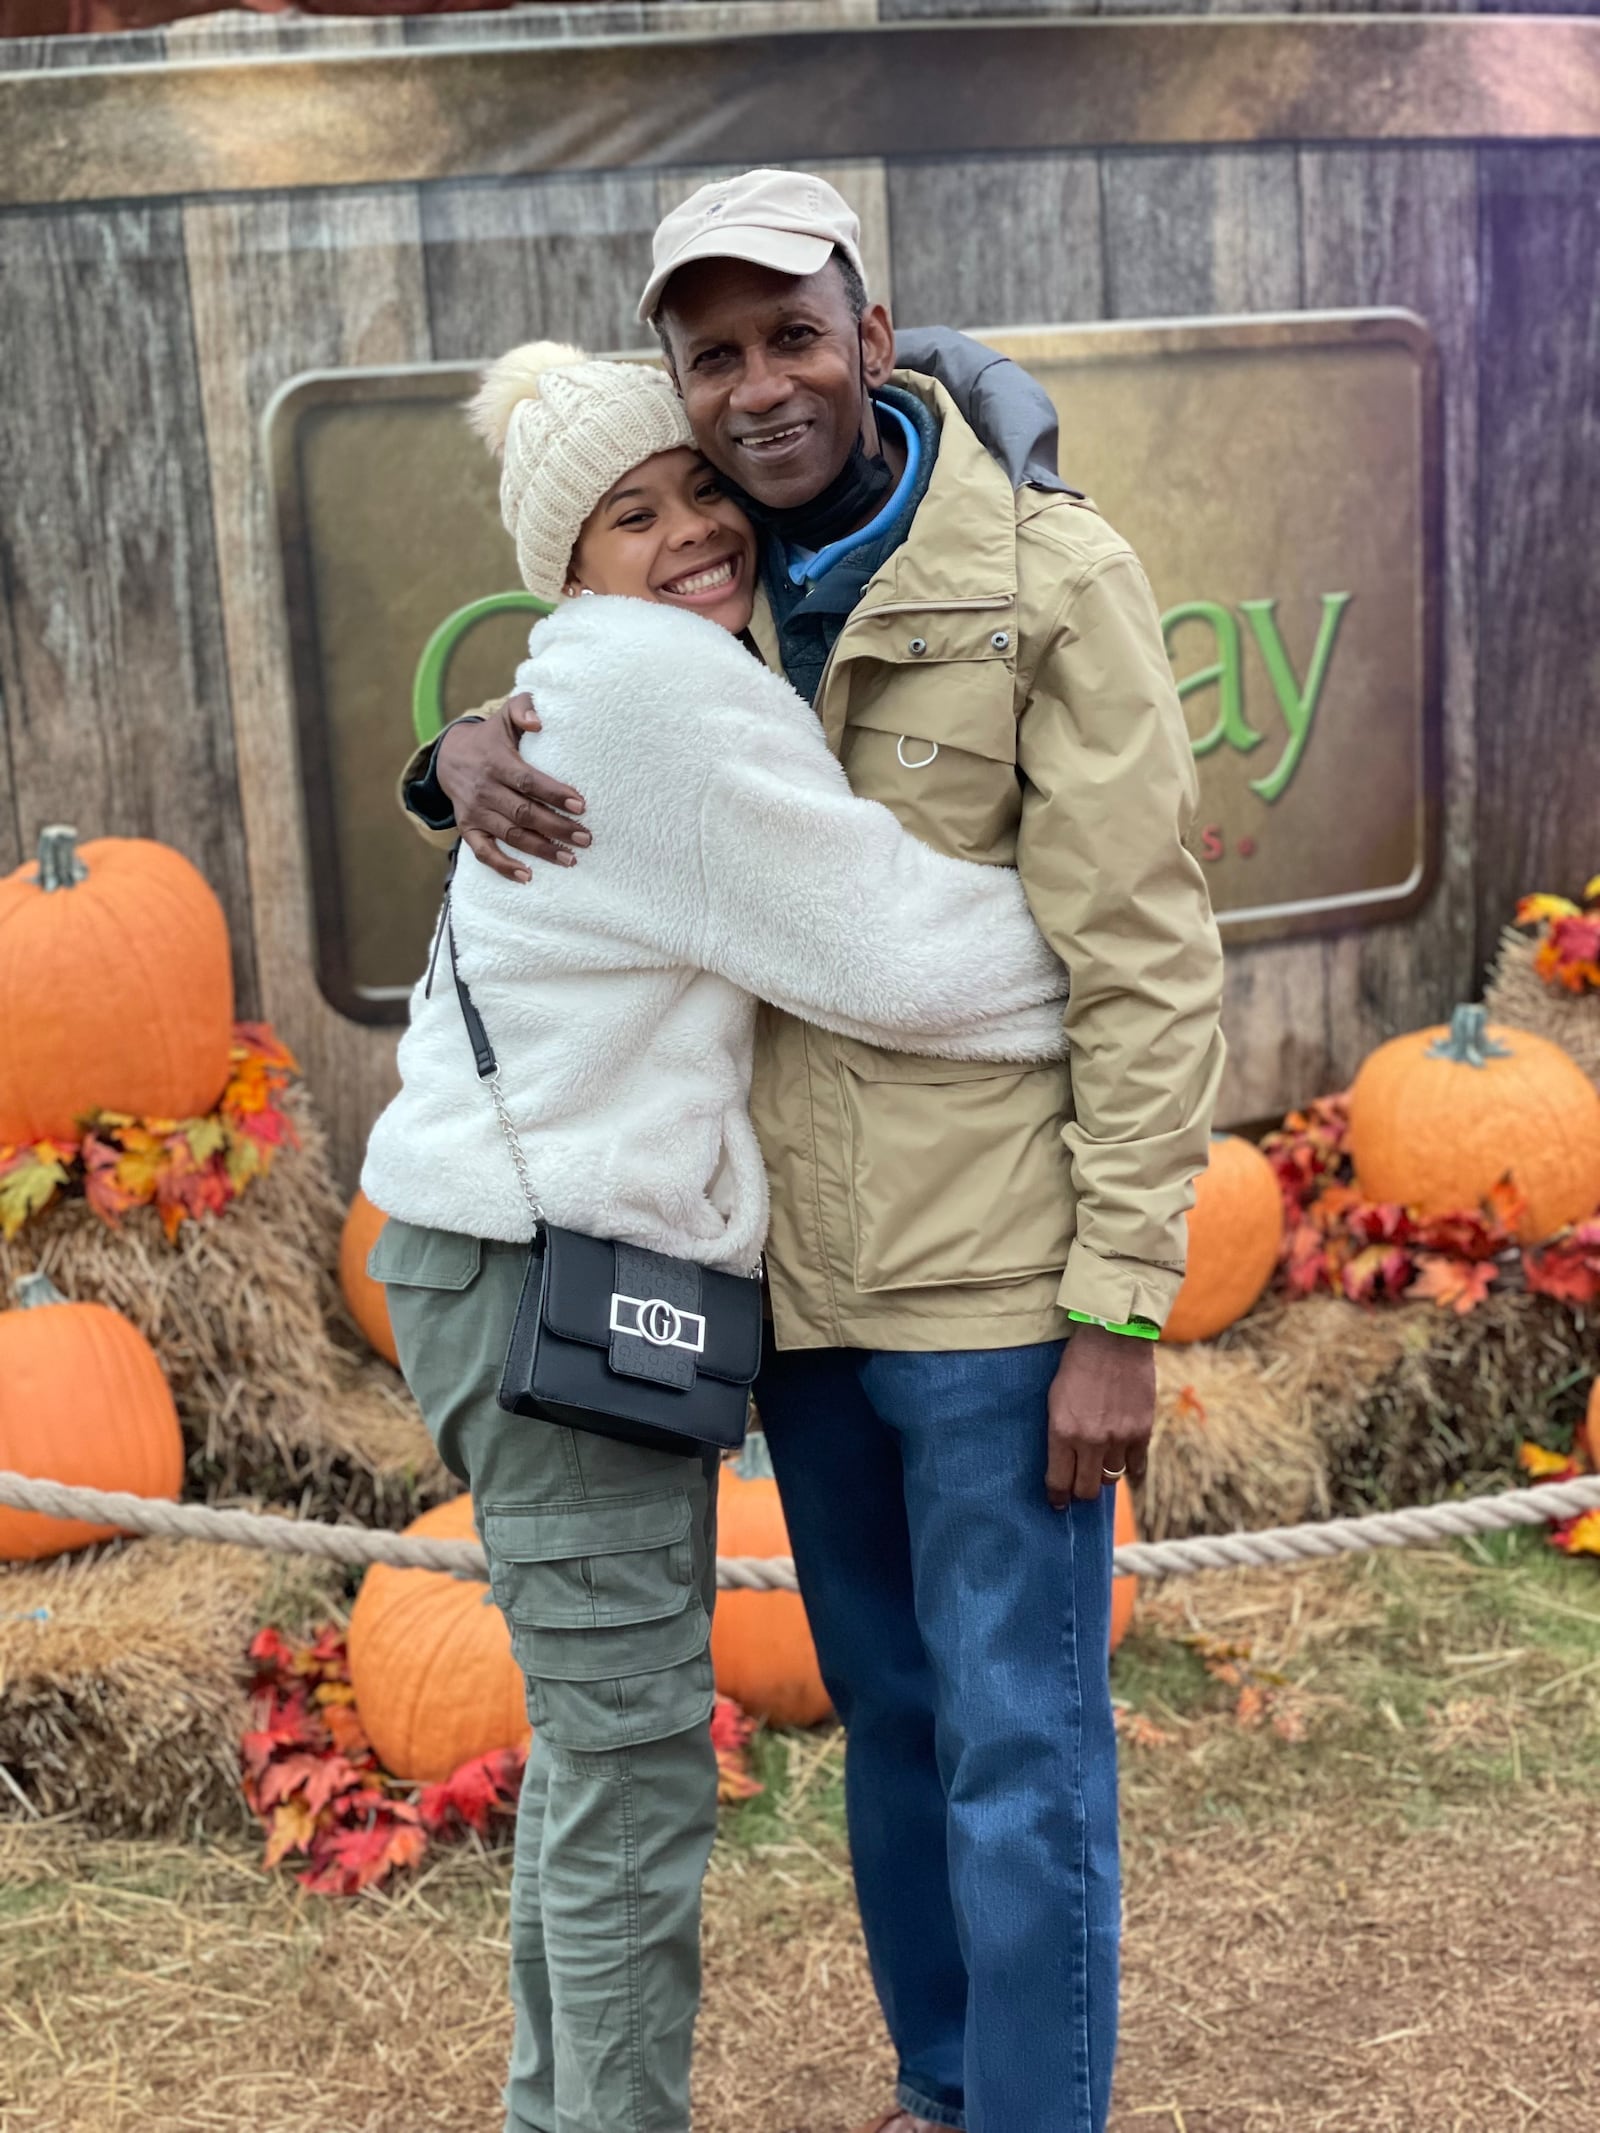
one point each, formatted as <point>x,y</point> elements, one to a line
<point>730,863</point>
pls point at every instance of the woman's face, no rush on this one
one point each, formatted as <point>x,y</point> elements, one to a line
<point>666,532</point>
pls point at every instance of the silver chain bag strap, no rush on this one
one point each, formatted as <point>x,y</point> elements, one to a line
<point>608,1337</point>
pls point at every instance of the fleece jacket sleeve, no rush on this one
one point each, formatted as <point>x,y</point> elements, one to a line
<point>727,836</point>
<point>824,905</point>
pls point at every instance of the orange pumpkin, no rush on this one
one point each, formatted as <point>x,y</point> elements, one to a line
<point>116,988</point>
<point>1235,1233</point>
<point>761,1648</point>
<point>369,1305</point>
<point>431,1664</point>
<point>82,1400</point>
<point>1439,1117</point>
<point>1124,1590</point>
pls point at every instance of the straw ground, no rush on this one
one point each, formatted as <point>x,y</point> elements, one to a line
<point>1362,1813</point>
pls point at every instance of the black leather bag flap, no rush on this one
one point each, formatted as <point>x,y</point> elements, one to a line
<point>582,1297</point>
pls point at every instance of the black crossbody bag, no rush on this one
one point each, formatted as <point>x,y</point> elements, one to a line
<point>609,1338</point>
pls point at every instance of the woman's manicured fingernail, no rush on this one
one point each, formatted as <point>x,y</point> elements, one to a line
<point>581,837</point>
<point>574,806</point>
<point>565,859</point>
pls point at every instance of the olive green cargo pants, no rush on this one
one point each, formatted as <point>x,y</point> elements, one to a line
<point>602,1558</point>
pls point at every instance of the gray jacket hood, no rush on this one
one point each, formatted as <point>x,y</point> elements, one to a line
<point>1011,412</point>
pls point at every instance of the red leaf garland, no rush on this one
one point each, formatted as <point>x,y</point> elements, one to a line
<point>313,1782</point>
<point>1568,956</point>
<point>185,1168</point>
<point>1372,1252</point>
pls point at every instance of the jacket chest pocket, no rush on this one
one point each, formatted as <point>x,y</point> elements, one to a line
<point>936,738</point>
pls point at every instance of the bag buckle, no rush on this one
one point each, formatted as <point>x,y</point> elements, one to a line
<point>662,1324</point>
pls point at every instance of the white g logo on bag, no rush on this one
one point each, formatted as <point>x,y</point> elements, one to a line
<point>660,1323</point>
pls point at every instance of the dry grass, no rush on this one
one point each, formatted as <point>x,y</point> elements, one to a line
<point>1244,1423</point>
<point>1386,1928</point>
<point>121,1685</point>
<point>1448,1417</point>
<point>279,1398</point>
<point>1324,1407</point>
<point>1519,996</point>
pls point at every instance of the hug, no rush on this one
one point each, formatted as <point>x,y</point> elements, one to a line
<point>866,1014</point>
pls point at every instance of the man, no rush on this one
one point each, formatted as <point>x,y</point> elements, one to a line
<point>988,662</point>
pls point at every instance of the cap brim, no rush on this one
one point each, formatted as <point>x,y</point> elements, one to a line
<point>785,251</point>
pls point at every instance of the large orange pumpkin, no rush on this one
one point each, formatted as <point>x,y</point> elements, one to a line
<point>431,1664</point>
<point>1124,1590</point>
<point>1235,1233</point>
<point>761,1648</point>
<point>116,989</point>
<point>82,1400</point>
<point>1439,1117</point>
<point>369,1305</point>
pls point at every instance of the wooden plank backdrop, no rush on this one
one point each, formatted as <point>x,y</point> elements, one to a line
<point>143,680</point>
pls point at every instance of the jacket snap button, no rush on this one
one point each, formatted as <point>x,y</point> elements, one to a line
<point>999,640</point>
<point>917,647</point>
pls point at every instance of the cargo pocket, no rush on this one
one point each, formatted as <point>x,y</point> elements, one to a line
<point>959,1176</point>
<point>410,1257</point>
<point>606,1618</point>
<point>450,1328</point>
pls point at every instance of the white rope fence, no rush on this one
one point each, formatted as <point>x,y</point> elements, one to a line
<point>1276,1545</point>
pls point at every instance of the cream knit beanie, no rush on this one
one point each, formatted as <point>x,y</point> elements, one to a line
<point>568,429</point>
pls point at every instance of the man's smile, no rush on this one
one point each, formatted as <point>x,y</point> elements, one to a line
<point>774,444</point>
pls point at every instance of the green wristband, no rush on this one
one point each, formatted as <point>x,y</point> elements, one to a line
<point>1139,1329</point>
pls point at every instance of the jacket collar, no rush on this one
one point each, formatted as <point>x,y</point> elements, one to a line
<point>962,546</point>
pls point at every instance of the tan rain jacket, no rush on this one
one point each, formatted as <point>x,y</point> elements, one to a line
<point>1002,685</point>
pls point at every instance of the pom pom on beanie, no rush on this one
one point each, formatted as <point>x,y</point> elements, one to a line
<point>516,377</point>
<point>567,428</point>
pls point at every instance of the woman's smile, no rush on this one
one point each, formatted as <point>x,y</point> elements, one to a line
<point>705,585</point>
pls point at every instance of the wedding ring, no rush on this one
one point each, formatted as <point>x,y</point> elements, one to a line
<point>1113,1473</point>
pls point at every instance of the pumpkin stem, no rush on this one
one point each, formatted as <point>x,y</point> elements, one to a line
<point>1469,1042</point>
<point>59,864</point>
<point>37,1290</point>
<point>754,1462</point>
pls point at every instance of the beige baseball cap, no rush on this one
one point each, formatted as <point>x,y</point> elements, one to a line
<point>783,219</point>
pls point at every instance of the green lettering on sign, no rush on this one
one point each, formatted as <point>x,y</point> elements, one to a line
<point>427,691</point>
<point>1299,705</point>
<point>1226,671</point>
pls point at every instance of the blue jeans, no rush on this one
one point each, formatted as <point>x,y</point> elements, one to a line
<point>963,1629</point>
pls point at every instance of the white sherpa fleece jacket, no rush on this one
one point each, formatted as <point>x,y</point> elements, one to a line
<point>730,861</point>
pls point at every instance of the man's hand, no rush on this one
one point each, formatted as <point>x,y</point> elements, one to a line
<point>1102,1410</point>
<point>497,796</point>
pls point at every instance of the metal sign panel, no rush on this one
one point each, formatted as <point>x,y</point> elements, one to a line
<point>1278,477</point>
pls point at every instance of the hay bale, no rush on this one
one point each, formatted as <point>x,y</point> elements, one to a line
<point>1519,996</point>
<point>279,1397</point>
<point>1324,1408</point>
<point>1446,1419</point>
<point>1240,1421</point>
<point>122,1682</point>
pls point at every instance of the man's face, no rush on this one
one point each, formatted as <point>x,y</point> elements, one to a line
<point>770,367</point>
